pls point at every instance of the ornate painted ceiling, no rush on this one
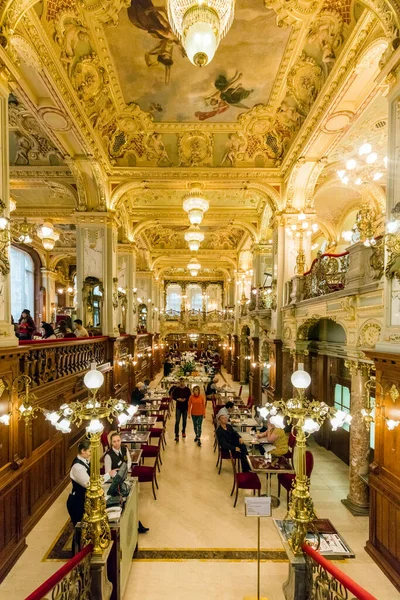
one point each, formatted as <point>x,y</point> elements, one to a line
<point>106,112</point>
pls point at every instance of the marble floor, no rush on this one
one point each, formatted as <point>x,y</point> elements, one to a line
<point>193,510</point>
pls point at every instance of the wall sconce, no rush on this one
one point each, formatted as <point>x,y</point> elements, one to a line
<point>26,410</point>
<point>368,411</point>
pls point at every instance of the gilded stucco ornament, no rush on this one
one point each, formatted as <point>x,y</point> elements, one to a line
<point>326,32</point>
<point>195,149</point>
<point>105,11</point>
<point>69,32</point>
<point>369,335</point>
<point>304,82</point>
<point>290,11</point>
<point>88,77</point>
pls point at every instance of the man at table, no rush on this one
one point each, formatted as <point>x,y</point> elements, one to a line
<point>211,388</point>
<point>138,394</point>
<point>181,395</point>
<point>226,410</point>
<point>116,456</point>
<point>277,437</point>
<point>230,440</point>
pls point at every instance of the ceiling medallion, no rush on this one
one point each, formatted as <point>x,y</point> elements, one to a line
<point>201,25</point>
<point>194,237</point>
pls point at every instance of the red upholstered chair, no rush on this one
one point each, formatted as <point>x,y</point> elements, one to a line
<point>292,443</point>
<point>151,451</point>
<point>286,479</point>
<point>250,402</point>
<point>244,481</point>
<point>158,433</point>
<point>146,474</point>
<point>240,391</point>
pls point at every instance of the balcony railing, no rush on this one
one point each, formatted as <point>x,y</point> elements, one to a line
<point>326,275</point>
<point>262,298</point>
<point>71,582</point>
<point>325,580</point>
<point>46,361</point>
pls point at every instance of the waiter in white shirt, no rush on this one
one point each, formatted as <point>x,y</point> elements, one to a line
<point>80,478</point>
<point>116,456</point>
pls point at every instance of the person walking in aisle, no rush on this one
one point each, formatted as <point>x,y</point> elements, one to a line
<point>181,395</point>
<point>197,410</point>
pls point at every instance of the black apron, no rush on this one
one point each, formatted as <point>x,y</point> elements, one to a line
<point>76,499</point>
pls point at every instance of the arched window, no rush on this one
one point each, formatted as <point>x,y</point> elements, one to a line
<point>22,282</point>
<point>174,297</point>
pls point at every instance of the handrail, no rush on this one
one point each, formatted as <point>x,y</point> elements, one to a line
<point>353,587</point>
<point>59,575</point>
<point>329,255</point>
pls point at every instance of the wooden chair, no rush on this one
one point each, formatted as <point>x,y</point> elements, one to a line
<point>146,474</point>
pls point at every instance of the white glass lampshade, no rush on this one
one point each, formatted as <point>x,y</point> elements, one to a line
<point>351,164</point>
<point>5,419</point>
<point>310,426</point>
<point>263,412</point>
<point>131,410</point>
<point>371,158</point>
<point>93,378</point>
<point>3,223</point>
<point>94,426</point>
<point>53,417</point>
<point>391,424</point>
<point>64,426</point>
<point>123,418</point>
<point>277,421</point>
<point>301,379</point>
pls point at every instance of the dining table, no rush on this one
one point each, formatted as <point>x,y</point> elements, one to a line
<point>242,423</point>
<point>149,407</point>
<point>141,422</point>
<point>270,465</point>
<point>135,437</point>
<point>136,455</point>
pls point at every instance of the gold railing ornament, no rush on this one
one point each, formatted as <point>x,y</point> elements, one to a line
<point>95,527</point>
<point>27,410</point>
<point>306,417</point>
<point>326,275</point>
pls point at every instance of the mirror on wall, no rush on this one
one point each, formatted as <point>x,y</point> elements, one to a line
<point>92,302</point>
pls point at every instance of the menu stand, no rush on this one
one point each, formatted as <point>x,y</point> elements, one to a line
<point>258,507</point>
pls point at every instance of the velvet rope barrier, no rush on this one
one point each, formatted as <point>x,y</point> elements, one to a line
<point>353,587</point>
<point>329,255</point>
<point>52,581</point>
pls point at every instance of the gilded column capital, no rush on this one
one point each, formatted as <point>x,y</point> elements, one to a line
<point>96,218</point>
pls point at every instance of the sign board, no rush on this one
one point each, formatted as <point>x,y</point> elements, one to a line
<point>258,506</point>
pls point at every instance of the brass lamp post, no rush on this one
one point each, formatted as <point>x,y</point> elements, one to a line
<point>306,417</point>
<point>95,527</point>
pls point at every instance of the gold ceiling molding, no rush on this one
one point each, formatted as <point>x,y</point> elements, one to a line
<point>290,11</point>
<point>340,72</point>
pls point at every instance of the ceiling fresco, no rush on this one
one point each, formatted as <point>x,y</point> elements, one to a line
<point>161,79</point>
<point>226,238</point>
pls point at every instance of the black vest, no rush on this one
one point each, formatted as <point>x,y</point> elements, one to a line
<point>118,459</point>
<point>77,489</point>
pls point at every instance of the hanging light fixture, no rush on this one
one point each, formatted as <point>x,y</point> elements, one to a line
<point>195,205</point>
<point>194,237</point>
<point>22,232</point>
<point>194,267</point>
<point>369,166</point>
<point>200,25</point>
<point>48,235</point>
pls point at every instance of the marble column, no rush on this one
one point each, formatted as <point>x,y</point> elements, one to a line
<point>127,280</point>
<point>49,278</point>
<point>357,500</point>
<point>96,249</point>
<point>7,334</point>
<point>255,373</point>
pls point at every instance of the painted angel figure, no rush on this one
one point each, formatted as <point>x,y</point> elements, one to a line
<point>229,92</point>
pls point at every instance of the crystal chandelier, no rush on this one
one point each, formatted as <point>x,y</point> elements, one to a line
<point>194,267</point>
<point>48,235</point>
<point>369,166</point>
<point>195,206</point>
<point>194,237</point>
<point>200,25</point>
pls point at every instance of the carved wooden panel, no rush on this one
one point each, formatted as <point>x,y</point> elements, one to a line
<point>384,541</point>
